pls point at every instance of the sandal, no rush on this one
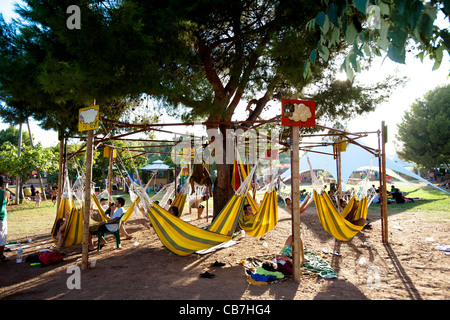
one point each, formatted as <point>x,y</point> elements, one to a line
<point>207,275</point>
<point>218,264</point>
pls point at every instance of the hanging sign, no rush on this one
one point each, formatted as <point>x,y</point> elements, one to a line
<point>88,118</point>
<point>298,113</point>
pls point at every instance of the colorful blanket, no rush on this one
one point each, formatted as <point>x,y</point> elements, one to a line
<point>316,266</point>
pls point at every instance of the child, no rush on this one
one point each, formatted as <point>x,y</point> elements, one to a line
<point>37,198</point>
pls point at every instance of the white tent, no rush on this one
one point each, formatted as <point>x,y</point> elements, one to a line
<point>352,159</point>
<point>155,166</point>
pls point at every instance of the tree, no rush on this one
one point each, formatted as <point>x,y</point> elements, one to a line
<point>46,159</point>
<point>203,58</point>
<point>373,27</point>
<point>11,134</point>
<point>424,132</point>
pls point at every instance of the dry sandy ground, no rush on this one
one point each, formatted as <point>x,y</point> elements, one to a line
<point>409,268</point>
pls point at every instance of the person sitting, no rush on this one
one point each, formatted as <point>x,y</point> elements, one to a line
<point>351,215</point>
<point>168,204</point>
<point>303,206</point>
<point>60,229</point>
<point>95,213</point>
<point>196,203</point>
<point>174,210</point>
<point>54,194</point>
<point>108,225</point>
<point>248,211</point>
<point>397,196</point>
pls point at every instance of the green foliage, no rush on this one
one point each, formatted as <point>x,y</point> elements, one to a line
<point>371,27</point>
<point>11,134</point>
<point>31,158</point>
<point>425,130</point>
<point>198,59</point>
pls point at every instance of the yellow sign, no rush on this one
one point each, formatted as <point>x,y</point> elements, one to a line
<point>88,118</point>
<point>107,150</point>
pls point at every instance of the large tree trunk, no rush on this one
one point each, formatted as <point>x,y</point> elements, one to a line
<point>222,186</point>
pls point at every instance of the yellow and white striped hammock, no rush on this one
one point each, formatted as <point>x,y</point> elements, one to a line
<point>265,216</point>
<point>334,222</point>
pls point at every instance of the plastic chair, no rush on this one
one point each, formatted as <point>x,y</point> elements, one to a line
<point>116,234</point>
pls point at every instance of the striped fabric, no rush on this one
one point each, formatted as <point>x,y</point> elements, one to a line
<point>179,236</point>
<point>73,234</point>
<point>126,215</point>
<point>99,207</point>
<point>64,206</point>
<point>227,220</point>
<point>335,223</point>
<point>179,202</point>
<point>130,210</point>
<point>265,217</point>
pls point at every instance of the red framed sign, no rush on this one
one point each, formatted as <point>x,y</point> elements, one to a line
<point>299,113</point>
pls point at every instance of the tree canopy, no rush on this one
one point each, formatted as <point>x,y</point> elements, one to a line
<point>424,132</point>
<point>201,58</point>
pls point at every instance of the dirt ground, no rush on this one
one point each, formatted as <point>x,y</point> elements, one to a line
<point>409,268</point>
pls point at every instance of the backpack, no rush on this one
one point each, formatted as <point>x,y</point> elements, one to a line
<point>50,257</point>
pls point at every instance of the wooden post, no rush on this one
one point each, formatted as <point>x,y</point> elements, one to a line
<point>61,174</point>
<point>337,156</point>
<point>37,169</point>
<point>110,170</point>
<point>295,186</point>
<point>18,178</point>
<point>87,200</point>
<point>383,189</point>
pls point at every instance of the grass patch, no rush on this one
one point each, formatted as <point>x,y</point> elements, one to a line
<point>26,220</point>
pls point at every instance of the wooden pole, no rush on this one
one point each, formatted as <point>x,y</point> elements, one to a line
<point>384,197</point>
<point>61,174</point>
<point>110,170</point>
<point>87,200</point>
<point>337,156</point>
<point>18,178</point>
<point>295,185</point>
<point>37,169</point>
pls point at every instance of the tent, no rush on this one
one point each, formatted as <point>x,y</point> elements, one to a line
<point>352,159</point>
<point>155,166</point>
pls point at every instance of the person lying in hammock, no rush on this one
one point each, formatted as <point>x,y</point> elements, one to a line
<point>305,204</point>
<point>351,214</point>
<point>60,229</point>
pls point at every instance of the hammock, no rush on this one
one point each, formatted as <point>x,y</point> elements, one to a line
<point>227,220</point>
<point>265,216</point>
<point>334,222</point>
<point>179,236</point>
<point>183,238</point>
<point>73,234</point>
<point>179,202</point>
<point>126,215</point>
<point>64,206</point>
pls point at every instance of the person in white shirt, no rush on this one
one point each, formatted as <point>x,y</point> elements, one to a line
<point>109,224</point>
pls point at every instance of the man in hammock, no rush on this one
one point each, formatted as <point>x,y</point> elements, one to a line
<point>305,204</point>
<point>351,214</point>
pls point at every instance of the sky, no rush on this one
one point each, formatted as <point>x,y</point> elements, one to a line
<point>421,80</point>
